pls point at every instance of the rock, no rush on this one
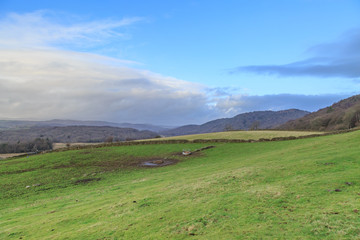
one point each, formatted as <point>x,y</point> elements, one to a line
<point>186,153</point>
<point>27,186</point>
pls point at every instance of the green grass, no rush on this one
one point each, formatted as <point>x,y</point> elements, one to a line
<point>263,190</point>
<point>245,135</point>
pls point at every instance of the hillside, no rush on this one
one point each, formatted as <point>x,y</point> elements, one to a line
<point>75,134</point>
<point>244,121</point>
<point>21,124</point>
<point>344,114</point>
<point>299,189</point>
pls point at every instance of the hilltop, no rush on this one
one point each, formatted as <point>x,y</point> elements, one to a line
<point>23,124</point>
<point>244,121</point>
<point>344,114</point>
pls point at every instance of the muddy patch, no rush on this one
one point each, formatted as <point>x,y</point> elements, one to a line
<point>20,171</point>
<point>158,162</point>
<point>62,166</point>
<point>191,153</point>
<point>86,180</point>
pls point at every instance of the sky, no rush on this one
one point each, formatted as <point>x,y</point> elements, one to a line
<point>175,62</point>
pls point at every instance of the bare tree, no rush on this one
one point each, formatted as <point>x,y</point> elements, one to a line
<point>254,125</point>
<point>109,139</point>
<point>228,127</point>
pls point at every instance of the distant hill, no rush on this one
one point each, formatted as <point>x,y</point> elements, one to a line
<point>341,115</point>
<point>19,124</point>
<point>74,134</point>
<point>245,121</point>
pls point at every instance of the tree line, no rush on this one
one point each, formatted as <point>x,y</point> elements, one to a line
<point>36,145</point>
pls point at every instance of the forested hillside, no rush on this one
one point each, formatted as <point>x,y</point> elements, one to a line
<point>344,114</point>
<point>75,134</point>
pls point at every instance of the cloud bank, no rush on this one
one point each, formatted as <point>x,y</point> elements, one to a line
<point>41,80</point>
<point>340,59</point>
<point>61,84</point>
<point>235,104</point>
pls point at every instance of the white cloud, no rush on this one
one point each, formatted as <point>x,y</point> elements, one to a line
<point>45,28</point>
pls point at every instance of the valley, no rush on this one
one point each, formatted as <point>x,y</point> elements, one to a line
<point>161,120</point>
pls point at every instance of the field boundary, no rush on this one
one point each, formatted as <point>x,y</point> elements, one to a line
<point>183,141</point>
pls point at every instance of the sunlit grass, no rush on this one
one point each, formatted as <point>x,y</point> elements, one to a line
<point>245,135</point>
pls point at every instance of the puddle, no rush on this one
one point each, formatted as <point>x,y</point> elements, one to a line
<point>158,163</point>
<point>149,164</point>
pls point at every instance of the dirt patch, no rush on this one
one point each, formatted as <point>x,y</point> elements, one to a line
<point>108,166</point>
<point>161,162</point>
<point>86,180</point>
<point>21,171</point>
<point>196,152</point>
<point>129,162</point>
<point>203,148</point>
<point>62,166</point>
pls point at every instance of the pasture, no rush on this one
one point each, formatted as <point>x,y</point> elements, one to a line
<point>244,135</point>
<point>297,189</point>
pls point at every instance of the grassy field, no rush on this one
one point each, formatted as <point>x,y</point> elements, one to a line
<point>298,189</point>
<point>245,135</point>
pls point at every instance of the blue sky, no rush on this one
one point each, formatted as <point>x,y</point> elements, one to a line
<point>175,62</point>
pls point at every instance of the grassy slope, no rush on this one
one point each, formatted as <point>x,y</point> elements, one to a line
<point>246,135</point>
<point>263,190</point>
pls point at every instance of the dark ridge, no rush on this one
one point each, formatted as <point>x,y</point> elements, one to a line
<point>244,121</point>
